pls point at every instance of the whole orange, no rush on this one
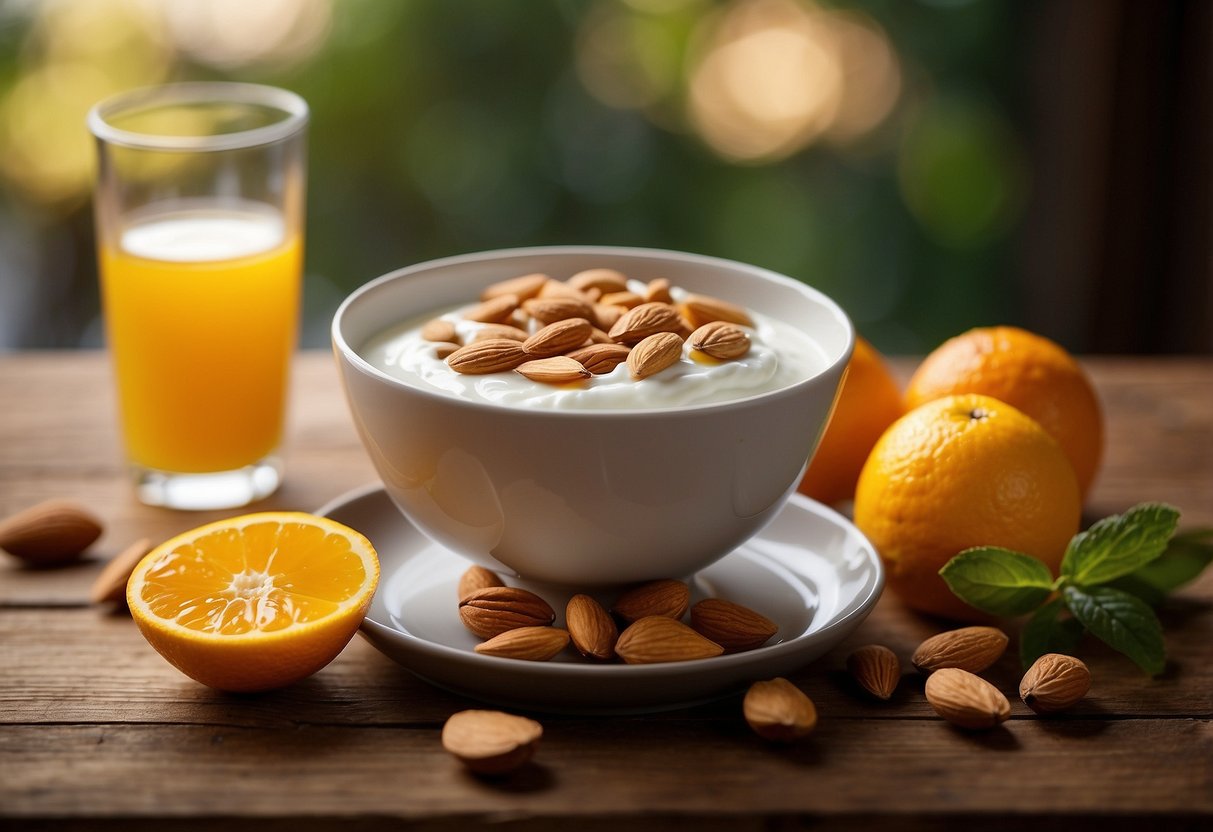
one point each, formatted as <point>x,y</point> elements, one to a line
<point>1027,371</point>
<point>957,472</point>
<point>868,402</point>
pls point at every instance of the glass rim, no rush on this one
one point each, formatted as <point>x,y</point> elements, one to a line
<point>199,92</point>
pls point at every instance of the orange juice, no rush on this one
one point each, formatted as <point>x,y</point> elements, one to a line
<point>201,316</point>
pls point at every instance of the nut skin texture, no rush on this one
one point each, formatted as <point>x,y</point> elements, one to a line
<point>49,533</point>
<point>493,610</point>
<point>532,644</point>
<point>491,742</point>
<point>876,669</point>
<point>645,320</point>
<point>732,626</point>
<point>969,648</point>
<point>720,340</point>
<point>667,597</point>
<point>558,337</point>
<point>654,354</point>
<point>591,628</point>
<point>966,700</point>
<point>1054,683</point>
<point>778,711</point>
<point>551,310</point>
<point>489,356</point>
<point>559,369</point>
<point>477,577</point>
<point>660,639</point>
<point>600,358</point>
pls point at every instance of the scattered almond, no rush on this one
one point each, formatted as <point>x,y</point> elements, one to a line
<point>604,280</point>
<point>492,610</point>
<point>876,669</point>
<point>966,700</point>
<point>494,310</point>
<point>607,316</point>
<point>110,584</point>
<point>654,354</point>
<point>559,289</point>
<point>703,309</point>
<point>556,370</point>
<point>660,639</point>
<point>533,644</point>
<point>477,577</point>
<point>667,597</point>
<point>51,532</point>
<point>558,337</point>
<point>600,358</point>
<point>550,310</point>
<point>646,319</point>
<point>628,300</point>
<point>732,626</point>
<point>969,648</point>
<point>491,742</point>
<point>523,287</point>
<point>722,340</point>
<point>591,628</point>
<point>1054,682</point>
<point>444,349</point>
<point>491,331</point>
<point>440,329</point>
<point>779,711</point>
<point>491,356</point>
<point>658,291</point>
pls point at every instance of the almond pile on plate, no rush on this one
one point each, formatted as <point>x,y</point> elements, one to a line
<point>644,625</point>
<point>557,332</point>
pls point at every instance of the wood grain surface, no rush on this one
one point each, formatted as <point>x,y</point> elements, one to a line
<point>98,732</point>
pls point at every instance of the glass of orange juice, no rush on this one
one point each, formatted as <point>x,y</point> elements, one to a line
<point>199,212</point>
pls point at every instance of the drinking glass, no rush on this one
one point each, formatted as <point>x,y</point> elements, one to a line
<point>199,212</point>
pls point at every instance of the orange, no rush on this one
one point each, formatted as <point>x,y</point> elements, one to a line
<point>1027,371</point>
<point>868,402</point>
<point>957,472</point>
<point>255,602</point>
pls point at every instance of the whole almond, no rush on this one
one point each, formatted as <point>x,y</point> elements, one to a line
<point>600,358</point>
<point>53,531</point>
<point>532,644</point>
<point>493,610</point>
<point>477,577</point>
<point>646,319</point>
<point>966,700</point>
<point>1054,682</point>
<point>660,639</point>
<point>628,300</point>
<point>491,742</point>
<point>607,316</point>
<point>654,354</point>
<point>605,280</point>
<point>110,583</point>
<point>779,711</point>
<point>559,289</point>
<point>491,356</point>
<point>876,669</point>
<point>703,309</point>
<point>550,310</point>
<point>490,331</point>
<point>522,287</point>
<point>558,337</point>
<point>969,648</point>
<point>556,370</point>
<point>667,597</point>
<point>721,340</point>
<point>597,336</point>
<point>732,626</point>
<point>658,291</point>
<point>444,349</point>
<point>493,311</point>
<point>591,628</point>
<point>440,329</point>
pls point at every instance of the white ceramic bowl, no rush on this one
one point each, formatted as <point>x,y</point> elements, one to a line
<point>587,498</point>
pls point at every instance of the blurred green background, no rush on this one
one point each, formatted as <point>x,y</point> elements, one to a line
<point>932,164</point>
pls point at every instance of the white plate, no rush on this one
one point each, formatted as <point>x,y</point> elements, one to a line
<point>810,571</point>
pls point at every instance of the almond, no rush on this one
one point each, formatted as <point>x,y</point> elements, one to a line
<point>779,711</point>
<point>556,370</point>
<point>600,358</point>
<point>558,337</point>
<point>444,349</point>
<point>597,336</point>
<point>628,300</point>
<point>876,669</point>
<point>440,329</point>
<point>646,319</point>
<point>532,644</point>
<point>491,356</point>
<point>477,577</point>
<point>492,610</point>
<point>607,316</point>
<point>658,291</point>
<point>1054,682</point>
<point>491,742</point>
<point>703,309</point>
<point>53,531</point>
<point>969,648</point>
<point>966,700</point>
<point>489,331</point>
<point>668,598</point>
<point>654,354</point>
<point>593,631</point>
<point>660,639</point>
<point>722,340</point>
<point>522,287</point>
<point>493,311</point>
<point>110,584</point>
<point>732,626</point>
<point>604,280</point>
<point>550,310</point>
<point>554,289</point>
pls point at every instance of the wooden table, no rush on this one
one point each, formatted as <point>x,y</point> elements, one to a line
<point>96,730</point>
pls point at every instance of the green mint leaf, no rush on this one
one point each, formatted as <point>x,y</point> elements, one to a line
<point>1047,632</point>
<point>998,581</point>
<point>1133,585</point>
<point>1123,622</point>
<point>1185,557</point>
<point>1119,544</point>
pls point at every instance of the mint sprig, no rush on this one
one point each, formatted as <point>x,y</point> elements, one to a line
<point>1111,574</point>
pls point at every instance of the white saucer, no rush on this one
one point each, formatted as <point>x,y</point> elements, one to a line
<point>810,571</point>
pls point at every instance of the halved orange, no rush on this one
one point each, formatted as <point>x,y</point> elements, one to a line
<point>255,602</point>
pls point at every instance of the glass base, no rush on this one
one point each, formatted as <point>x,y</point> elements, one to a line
<point>212,490</point>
